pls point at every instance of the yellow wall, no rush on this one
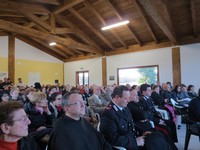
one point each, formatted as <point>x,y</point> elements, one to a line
<point>3,64</point>
<point>49,72</point>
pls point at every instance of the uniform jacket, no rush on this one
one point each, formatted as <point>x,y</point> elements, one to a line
<point>118,128</point>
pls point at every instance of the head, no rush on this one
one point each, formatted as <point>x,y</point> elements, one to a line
<point>183,88</point>
<point>20,80</point>
<point>145,89</point>
<point>86,90</point>
<point>96,90</point>
<point>158,83</point>
<point>4,97</point>
<point>128,86</point>
<point>177,88</point>
<point>135,87</point>
<point>56,98</point>
<point>156,88</point>
<point>38,99</point>
<point>14,93</point>
<point>190,88</point>
<point>134,96</point>
<point>121,95</point>
<point>108,90</point>
<point>29,91</point>
<point>13,121</point>
<point>166,87</point>
<point>73,105</point>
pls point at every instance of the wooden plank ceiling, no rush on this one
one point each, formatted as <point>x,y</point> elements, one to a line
<point>75,25</point>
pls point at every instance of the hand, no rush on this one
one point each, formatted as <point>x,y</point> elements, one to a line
<point>146,133</point>
<point>46,109</point>
<point>41,128</point>
<point>140,140</point>
<point>162,122</point>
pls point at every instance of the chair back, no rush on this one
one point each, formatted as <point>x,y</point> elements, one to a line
<point>192,128</point>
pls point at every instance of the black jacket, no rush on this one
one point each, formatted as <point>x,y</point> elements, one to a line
<point>118,128</point>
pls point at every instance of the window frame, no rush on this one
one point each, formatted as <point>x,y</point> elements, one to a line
<point>148,66</point>
<point>77,77</point>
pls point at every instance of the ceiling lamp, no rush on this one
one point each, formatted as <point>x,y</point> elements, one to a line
<point>52,43</point>
<point>115,25</point>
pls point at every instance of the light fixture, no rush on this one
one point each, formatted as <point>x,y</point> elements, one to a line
<point>115,25</point>
<point>52,43</point>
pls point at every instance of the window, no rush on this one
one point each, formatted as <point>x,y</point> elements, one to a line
<point>82,78</point>
<point>138,75</point>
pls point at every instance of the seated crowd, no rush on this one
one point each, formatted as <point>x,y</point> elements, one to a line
<point>57,117</point>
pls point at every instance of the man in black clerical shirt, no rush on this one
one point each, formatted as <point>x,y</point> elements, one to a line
<point>72,132</point>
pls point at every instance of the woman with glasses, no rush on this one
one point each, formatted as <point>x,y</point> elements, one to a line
<point>13,126</point>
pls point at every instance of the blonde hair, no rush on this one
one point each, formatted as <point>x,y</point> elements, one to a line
<point>37,97</point>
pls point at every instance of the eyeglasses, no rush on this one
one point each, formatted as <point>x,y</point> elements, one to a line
<point>23,119</point>
<point>76,103</point>
<point>5,95</point>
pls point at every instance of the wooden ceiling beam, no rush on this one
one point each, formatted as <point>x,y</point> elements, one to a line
<point>42,18</point>
<point>39,46</point>
<point>67,4</point>
<point>2,33</point>
<point>66,22</point>
<point>11,27</point>
<point>52,22</point>
<point>10,14</point>
<point>81,58</point>
<point>64,48</point>
<point>53,48</point>
<point>114,8</point>
<point>97,14</point>
<point>76,14</point>
<point>162,17</point>
<point>57,50</point>
<point>63,30</point>
<point>138,48</point>
<point>53,2</point>
<point>145,19</point>
<point>194,18</point>
<point>36,20</point>
<point>34,8</point>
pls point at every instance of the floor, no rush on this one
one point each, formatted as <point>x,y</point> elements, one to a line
<point>194,143</point>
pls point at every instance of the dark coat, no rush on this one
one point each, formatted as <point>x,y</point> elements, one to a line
<point>194,109</point>
<point>37,119</point>
<point>118,128</point>
<point>157,99</point>
<point>70,134</point>
<point>148,107</point>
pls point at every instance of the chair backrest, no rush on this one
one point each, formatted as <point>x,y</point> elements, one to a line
<point>192,128</point>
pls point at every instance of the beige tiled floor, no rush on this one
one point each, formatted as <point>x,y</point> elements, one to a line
<point>194,143</point>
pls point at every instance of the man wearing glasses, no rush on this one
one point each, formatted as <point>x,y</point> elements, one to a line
<point>13,125</point>
<point>71,131</point>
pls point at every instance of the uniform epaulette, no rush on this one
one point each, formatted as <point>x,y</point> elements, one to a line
<point>109,107</point>
<point>115,108</point>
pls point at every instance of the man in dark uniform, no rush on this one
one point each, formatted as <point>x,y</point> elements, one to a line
<point>118,128</point>
<point>146,102</point>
